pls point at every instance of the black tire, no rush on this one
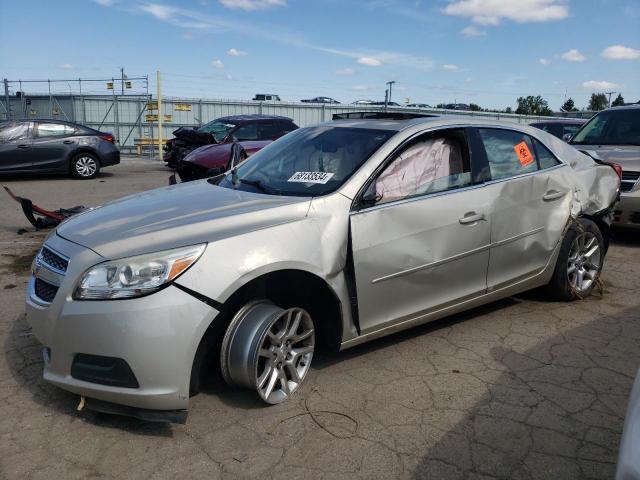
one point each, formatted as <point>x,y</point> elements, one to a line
<point>85,166</point>
<point>563,285</point>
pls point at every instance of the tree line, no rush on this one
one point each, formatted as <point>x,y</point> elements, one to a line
<point>536,105</point>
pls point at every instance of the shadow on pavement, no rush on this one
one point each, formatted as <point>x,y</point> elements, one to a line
<point>554,411</point>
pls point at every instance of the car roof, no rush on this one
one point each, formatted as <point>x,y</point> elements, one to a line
<point>632,106</point>
<point>250,118</point>
<point>560,120</point>
<point>52,120</point>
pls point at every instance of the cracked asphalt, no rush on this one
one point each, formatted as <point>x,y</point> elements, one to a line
<point>524,388</point>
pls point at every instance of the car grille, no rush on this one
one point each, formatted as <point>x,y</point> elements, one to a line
<point>629,179</point>
<point>45,291</point>
<point>54,260</point>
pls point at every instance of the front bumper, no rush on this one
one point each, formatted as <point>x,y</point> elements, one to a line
<point>157,336</point>
<point>627,211</point>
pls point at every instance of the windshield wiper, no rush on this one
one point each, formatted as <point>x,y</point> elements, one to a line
<point>260,186</point>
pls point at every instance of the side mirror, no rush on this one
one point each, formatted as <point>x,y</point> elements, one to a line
<point>370,199</point>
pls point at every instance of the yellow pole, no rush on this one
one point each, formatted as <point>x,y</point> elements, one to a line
<point>159,116</point>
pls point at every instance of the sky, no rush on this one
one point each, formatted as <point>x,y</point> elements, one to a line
<point>487,52</point>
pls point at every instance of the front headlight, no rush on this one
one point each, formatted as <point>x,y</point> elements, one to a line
<point>135,276</point>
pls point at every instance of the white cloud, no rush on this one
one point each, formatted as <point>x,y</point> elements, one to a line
<point>250,5</point>
<point>472,31</point>
<point>543,61</point>
<point>228,76</point>
<point>600,85</point>
<point>369,61</point>
<point>449,66</point>
<point>491,12</point>
<point>161,12</point>
<point>236,53</point>
<point>345,72</point>
<point>619,52</point>
<point>65,66</point>
<point>573,55</point>
<point>360,88</point>
<point>105,3</point>
<point>217,64</point>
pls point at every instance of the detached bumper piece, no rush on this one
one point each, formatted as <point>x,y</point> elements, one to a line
<point>41,218</point>
<point>189,171</point>
<point>111,371</point>
<point>161,416</point>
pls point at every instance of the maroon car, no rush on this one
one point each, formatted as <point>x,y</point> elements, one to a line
<point>252,132</point>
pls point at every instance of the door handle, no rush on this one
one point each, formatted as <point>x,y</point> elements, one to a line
<point>68,142</point>
<point>23,146</point>
<point>471,218</point>
<point>553,195</point>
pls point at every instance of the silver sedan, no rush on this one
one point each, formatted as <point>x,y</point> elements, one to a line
<point>333,235</point>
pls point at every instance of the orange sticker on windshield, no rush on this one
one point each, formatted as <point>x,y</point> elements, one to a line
<point>523,153</point>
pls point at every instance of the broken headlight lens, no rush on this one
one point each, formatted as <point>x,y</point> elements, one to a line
<point>135,276</point>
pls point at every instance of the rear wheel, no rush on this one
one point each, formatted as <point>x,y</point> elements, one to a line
<point>268,349</point>
<point>579,262</point>
<point>85,166</point>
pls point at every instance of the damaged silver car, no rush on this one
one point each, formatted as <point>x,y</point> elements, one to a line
<point>329,237</point>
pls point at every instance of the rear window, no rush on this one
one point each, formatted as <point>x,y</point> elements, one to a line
<point>611,127</point>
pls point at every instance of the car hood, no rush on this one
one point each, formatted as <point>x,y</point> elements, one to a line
<point>217,155</point>
<point>175,216</point>
<point>627,156</point>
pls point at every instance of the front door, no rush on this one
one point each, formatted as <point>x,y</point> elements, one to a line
<point>420,238</point>
<point>15,146</point>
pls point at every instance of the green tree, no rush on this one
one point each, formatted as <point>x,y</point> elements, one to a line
<point>474,107</point>
<point>598,102</point>
<point>508,110</point>
<point>533,106</point>
<point>569,106</point>
<point>618,102</point>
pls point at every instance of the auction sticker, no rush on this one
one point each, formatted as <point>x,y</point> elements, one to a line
<point>523,153</point>
<point>311,177</point>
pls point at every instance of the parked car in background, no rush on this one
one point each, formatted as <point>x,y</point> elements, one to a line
<point>253,132</point>
<point>327,238</point>
<point>418,105</point>
<point>629,455</point>
<point>55,146</point>
<point>613,135</point>
<point>219,131</point>
<point>320,100</point>
<point>563,128</point>
<point>363,102</point>
<point>266,97</point>
<point>457,106</point>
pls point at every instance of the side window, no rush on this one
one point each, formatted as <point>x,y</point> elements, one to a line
<point>247,132</point>
<point>54,130</point>
<point>269,131</point>
<point>433,163</point>
<point>11,132</point>
<point>509,153</point>
<point>546,159</point>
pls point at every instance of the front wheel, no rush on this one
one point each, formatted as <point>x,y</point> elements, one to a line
<point>268,349</point>
<point>85,166</point>
<point>579,262</point>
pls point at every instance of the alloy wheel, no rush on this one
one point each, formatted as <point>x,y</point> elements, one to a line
<point>584,261</point>
<point>86,166</point>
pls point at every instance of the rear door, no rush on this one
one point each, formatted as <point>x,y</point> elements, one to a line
<point>52,146</point>
<point>420,238</point>
<point>531,204</point>
<point>15,146</point>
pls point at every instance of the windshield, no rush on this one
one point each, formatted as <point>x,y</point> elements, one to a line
<point>307,162</point>
<point>219,130</point>
<point>611,127</point>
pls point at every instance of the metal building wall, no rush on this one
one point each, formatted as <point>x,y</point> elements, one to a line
<point>125,116</point>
